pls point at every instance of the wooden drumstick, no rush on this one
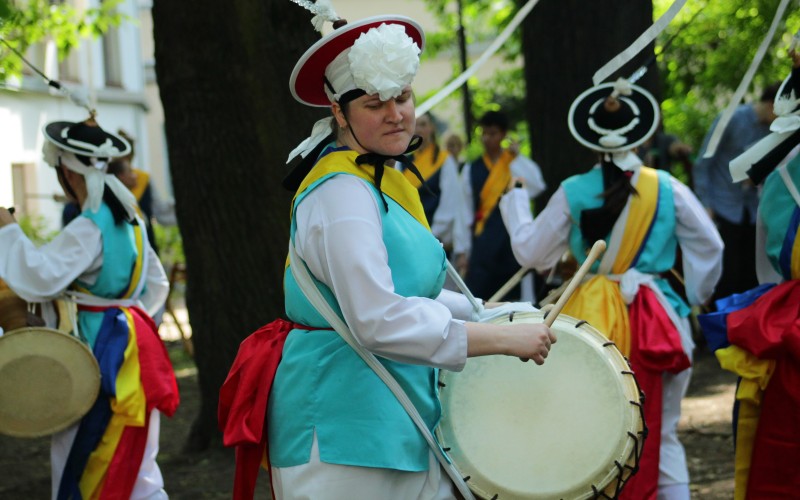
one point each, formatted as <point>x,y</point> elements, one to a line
<point>598,248</point>
<point>511,283</point>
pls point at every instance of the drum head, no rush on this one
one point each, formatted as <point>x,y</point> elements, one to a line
<point>519,430</point>
<point>48,381</point>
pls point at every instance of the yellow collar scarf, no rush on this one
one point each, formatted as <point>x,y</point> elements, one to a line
<point>394,183</point>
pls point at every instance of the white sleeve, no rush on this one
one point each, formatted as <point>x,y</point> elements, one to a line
<point>462,234</point>
<point>39,274</point>
<point>444,219</point>
<point>340,240</point>
<point>537,243</point>
<point>524,167</point>
<point>457,303</point>
<point>163,209</point>
<point>764,270</point>
<point>157,284</point>
<point>700,243</point>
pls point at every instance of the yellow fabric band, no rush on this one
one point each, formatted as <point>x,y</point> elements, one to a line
<point>493,188</point>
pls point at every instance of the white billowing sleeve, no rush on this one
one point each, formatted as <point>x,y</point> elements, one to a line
<point>457,303</point>
<point>537,243</point>
<point>40,274</point>
<point>157,284</point>
<point>524,167</point>
<point>339,238</point>
<point>446,215</point>
<point>700,244</point>
<point>462,234</point>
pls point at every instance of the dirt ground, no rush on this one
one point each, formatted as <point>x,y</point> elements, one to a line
<point>705,431</point>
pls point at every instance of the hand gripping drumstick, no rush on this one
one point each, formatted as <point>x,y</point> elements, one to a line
<point>598,248</point>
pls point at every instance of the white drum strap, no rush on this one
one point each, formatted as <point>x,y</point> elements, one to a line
<point>305,281</point>
<point>451,271</point>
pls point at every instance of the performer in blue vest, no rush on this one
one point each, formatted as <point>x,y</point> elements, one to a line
<point>335,430</point>
<point>485,256</point>
<point>756,334</point>
<point>101,260</point>
<point>644,215</point>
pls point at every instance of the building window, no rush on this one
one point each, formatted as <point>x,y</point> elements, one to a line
<point>112,57</point>
<point>22,182</point>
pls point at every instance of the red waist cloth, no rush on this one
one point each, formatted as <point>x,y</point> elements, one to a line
<point>655,348</point>
<point>770,329</point>
<point>243,400</point>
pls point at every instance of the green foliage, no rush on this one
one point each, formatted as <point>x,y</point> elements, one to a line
<point>36,229</point>
<point>170,245</point>
<point>714,43</point>
<point>483,20</point>
<point>505,89</point>
<point>23,24</point>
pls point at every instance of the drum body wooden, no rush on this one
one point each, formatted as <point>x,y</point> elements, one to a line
<point>48,381</point>
<point>572,428</point>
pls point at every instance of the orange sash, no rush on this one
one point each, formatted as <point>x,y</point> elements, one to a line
<point>493,188</point>
<point>426,164</point>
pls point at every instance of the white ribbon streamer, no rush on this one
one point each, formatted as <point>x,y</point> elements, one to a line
<point>489,52</point>
<point>95,176</point>
<point>322,129</point>
<point>640,43</point>
<point>722,124</point>
<point>742,164</point>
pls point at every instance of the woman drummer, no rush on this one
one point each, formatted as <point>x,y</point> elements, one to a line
<point>335,430</point>
<point>644,215</point>
<point>103,262</point>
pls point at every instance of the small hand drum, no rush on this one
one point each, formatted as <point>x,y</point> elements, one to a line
<point>48,381</point>
<point>572,428</point>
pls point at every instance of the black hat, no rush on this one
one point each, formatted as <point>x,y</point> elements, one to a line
<point>86,139</point>
<point>613,117</point>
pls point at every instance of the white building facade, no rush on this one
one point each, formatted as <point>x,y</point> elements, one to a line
<point>114,72</point>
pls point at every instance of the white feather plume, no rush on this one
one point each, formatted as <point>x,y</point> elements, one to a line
<point>322,10</point>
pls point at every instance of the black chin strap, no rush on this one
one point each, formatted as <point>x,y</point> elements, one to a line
<point>378,161</point>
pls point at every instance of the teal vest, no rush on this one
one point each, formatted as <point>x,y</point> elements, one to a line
<point>658,255</point>
<point>119,258</point>
<point>777,209</point>
<point>322,386</point>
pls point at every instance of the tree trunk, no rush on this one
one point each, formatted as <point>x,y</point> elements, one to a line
<point>223,71</point>
<point>564,43</point>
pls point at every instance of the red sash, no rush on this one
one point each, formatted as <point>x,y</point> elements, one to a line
<point>770,329</point>
<point>243,401</point>
<point>655,348</point>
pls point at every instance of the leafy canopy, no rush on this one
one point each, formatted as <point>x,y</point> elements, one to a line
<point>714,43</point>
<point>23,24</point>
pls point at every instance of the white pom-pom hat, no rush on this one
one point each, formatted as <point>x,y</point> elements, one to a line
<point>377,55</point>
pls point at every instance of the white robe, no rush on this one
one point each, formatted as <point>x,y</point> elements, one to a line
<point>41,274</point>
<point>539,243</point>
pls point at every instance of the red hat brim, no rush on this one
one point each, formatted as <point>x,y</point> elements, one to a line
<point>307,82</point>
